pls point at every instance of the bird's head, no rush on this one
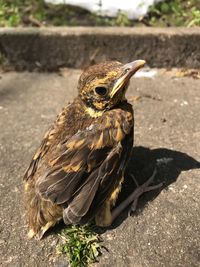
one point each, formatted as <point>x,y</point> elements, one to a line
<point>104,85</point>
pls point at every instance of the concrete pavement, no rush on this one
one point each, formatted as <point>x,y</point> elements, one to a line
<point>165,229</point>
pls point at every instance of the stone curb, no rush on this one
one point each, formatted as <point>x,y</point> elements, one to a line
<point>51,48</point>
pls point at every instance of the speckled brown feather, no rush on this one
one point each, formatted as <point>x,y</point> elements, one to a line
<point>80,161</point>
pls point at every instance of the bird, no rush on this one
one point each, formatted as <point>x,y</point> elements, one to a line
<point>78,170</point>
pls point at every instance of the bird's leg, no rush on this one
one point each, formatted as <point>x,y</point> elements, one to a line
<point>104,216</point>
<point>133,198</point>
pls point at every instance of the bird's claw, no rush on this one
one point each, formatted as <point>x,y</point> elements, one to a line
<point>133,207</point>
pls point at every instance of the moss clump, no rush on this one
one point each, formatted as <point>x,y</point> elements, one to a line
<point>80,244</point>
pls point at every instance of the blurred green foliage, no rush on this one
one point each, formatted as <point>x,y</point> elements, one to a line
<point>175,13</point>
<point>38,13</point>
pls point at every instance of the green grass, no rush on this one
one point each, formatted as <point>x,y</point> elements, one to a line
<point>38,13</point>
<point>80,244</point>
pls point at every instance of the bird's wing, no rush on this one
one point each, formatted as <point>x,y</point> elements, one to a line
<point>90,157</point>
<point>99,184</point>
<point>44,147</point>
<point>41,151</point>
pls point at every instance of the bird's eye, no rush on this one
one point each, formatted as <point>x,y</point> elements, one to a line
<point>100,90</point>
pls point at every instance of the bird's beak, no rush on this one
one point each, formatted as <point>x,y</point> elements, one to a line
<point>129,70</point>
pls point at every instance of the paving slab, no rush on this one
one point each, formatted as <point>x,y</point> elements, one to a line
<point>164,231</point>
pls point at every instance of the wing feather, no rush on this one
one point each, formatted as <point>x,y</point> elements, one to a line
<point>84,197</point>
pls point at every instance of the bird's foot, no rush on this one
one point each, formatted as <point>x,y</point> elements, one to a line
<point>44,229</point>
<point>146,187</point>
<point>133,198</point>
<point>38,235</point>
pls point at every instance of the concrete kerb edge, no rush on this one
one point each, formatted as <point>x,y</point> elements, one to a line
<point>52,48</point>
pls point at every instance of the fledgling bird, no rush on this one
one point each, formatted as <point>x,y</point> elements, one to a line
<point>77,172</point>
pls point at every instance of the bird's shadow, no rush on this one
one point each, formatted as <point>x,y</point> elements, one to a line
<point>169,164</point>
